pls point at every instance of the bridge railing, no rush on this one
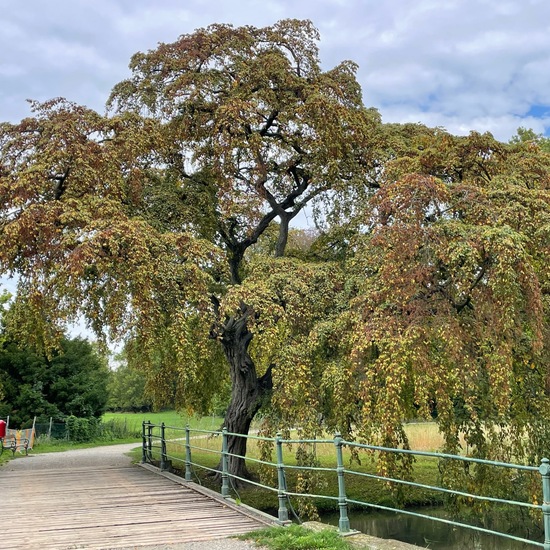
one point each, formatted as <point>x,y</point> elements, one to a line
<point>155,446</point>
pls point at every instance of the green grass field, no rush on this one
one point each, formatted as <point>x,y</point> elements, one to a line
<point>170,418</point>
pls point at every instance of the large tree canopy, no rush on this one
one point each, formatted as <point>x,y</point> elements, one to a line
<point>424,290</point>
<point>145,221</point>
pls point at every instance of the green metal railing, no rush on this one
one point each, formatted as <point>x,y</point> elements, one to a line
<point>155,444</point>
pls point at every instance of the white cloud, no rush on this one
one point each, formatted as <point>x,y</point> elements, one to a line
<point>463,64</point>
<point>149,21</point>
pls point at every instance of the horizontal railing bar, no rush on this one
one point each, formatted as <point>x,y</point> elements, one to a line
<point>442,455</point>
<point>445,490</point>
<point>251,436</point>
<point>252,459</point>
<point>312,468</point>
<point>214,451</point>
<point>314,441</point>
<point>308,495</point>
<point>166,427</point>
<point>447,521</point>
<point>198,430</point>
<point>252,482</point>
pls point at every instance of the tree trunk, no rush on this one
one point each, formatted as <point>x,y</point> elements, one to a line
<point>248,391</point>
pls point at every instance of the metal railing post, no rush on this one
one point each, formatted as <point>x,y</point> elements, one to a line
<point>150,439</point>
<point>343,522</point>
<point>143,444</point>
<point>225,477</point>
<point>544,470</point>
<point>187,453</point>
<point>283,511</point>
<point>163,458</point>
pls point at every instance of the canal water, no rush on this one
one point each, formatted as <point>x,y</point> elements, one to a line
<point>427,533</point>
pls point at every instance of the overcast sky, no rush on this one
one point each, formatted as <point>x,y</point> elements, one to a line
<point>462,64</point>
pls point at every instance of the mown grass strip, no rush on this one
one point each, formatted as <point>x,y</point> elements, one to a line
<point>295,537</point>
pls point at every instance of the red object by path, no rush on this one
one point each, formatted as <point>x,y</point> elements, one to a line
<point>2,429</point>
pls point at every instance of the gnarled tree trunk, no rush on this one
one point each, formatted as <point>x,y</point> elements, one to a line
<point>248,391</point>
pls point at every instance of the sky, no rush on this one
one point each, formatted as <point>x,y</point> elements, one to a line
<point>460,64</point>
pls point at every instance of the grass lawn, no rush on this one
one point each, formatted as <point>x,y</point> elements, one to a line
<point>170,418</point>
<point>5,456</point>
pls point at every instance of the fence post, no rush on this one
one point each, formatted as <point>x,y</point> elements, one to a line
<point>150,439</point>
<point>163,459</point>
<point>343,522</point>
<point>283,511</point>
<point>225,478</point>
<point>544,470</point>
<point>187,454</point>
<point>143,444</point>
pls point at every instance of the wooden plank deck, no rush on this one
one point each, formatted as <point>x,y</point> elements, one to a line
<point>108,508</point>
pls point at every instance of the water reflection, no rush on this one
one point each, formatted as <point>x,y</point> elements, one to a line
<point>430,534</point>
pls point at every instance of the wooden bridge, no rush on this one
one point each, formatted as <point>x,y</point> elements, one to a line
<point>110,507</point>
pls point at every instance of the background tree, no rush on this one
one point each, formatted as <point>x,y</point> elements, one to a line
<point>127,391</point>
<point>4,299</point>
<point>72,381</point>
<point>126,388</point>
<point>528,136</point>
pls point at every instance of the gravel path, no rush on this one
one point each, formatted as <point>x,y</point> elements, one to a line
<point>112,456</point>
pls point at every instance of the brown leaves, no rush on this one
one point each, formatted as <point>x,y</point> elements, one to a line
<point>71,186</point>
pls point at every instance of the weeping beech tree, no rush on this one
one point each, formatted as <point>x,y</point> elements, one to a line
<point>443,311</point>
<point>146,221</point>
<point>449,303</point>
<point>425,291</point>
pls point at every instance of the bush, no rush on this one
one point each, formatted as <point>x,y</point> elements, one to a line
<point>118,429</point>
<point>83,430</point>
